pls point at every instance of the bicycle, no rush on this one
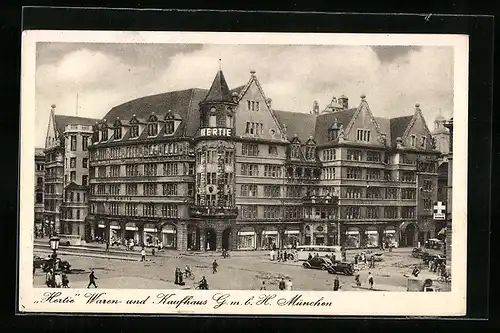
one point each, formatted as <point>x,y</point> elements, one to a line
<point>189,275</point>
<point>444,279</point>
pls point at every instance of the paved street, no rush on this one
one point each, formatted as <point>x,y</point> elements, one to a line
<point>241,271</point>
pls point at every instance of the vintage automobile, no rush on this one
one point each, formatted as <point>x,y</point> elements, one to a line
<point>62,265</point>
<point>322,263</point>
<point>417,252</point>
<point>434,257</point>
<point>340,267</point>
<point>38,262</point>
<point>378,256</point>
<point>434,243</point>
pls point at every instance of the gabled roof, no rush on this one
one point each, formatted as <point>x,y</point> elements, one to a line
<point>325,120</point>
<point>298,123</point>
<point>219,91</point>
<point>61,121</point>
<point>398,127</point>
<point>75,186</point>
<point>385,128</point>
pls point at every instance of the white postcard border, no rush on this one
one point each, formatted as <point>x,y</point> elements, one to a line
<point>342,303</point>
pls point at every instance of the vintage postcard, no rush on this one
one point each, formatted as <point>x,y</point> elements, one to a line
<point>243,173</point>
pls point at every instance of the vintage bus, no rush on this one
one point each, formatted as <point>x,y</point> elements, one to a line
<point>303,251</point>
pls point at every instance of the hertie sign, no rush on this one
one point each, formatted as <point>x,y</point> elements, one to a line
<point>439,211</point>
<point>215,131</point>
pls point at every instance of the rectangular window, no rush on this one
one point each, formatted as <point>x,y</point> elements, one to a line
<point>408,176</point>
<point>150,169</point>
<point>170,189</point>
<point>408,212</point>
<point>293,212</point>
<point>169,127</point>
<point>272,171</point>
<point>295,151</point>
<point>293,192</point>
<point>212,121</point>
<point>310,153</point>
<point>372,212</point>
<point>413,140</point>
<point>373,193</point>
<point>423,142</point>
<point>352,212</point>
<point>427,204</point>
<point>272,150</point>
<point>170,169</point>
<point>249,149</point>
<point>114,171</point>
<point>354,155</point>
<point>73,142</point>
<point>228,159</point>
<point>353,193</point>
<point>328,173</point>
<point>131,189</point>
<point>391,193</point>
<point>149,209</point>
<point>114,189</point>
<point>77,214</point>
<point>391,212</point>
<point>72,162</point>
<point>363,135</point>
<point>169,211</point>
<point>101,189</point>
<point>104,135</point>
<point>150,189</point>
<point>73,176</point>
<point>428,185</point>
<point>211,156</point>
<point>39,197</point>
<point>190,189</point>
<point>408,193</point>
<point>152,129</point>
<point>353,173</point>
<point>85,143</point>
<point>407,159</point>
<point>372,174</point>
<point>387,175</point>
<point>249,190</point>
<point>249,212</point>
<point>373,156</point>
<point>131,209</point>
<point>249,169</point>
<point>211,178</point>
<point>272,191</point>
<point>329,154</point>
<point>117,133</point>
<point>271,212</point>
<point>85,163</point>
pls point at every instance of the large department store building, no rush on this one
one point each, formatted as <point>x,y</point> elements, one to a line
<point>210,169</point>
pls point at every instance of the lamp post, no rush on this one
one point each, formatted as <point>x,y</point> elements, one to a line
<point>54,245</point>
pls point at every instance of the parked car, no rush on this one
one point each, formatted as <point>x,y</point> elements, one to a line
<point>417,252</point>
<point>322,263</point>
<point>62,265</point>
<point>434,257</point>
<point>38,262</point>
<point>378,256</point>
<point>340,267</point>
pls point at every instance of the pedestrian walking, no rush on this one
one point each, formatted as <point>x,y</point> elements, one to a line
<point>107,246</point>
<point>271,255</point>
<point>143,254</point>
<point>336,284</point>
<point>153,251</point>
<point>263,287</point>
<point>357,281</point>
<point>370,280</point>
<point>356,258</point>
<point>34,270</point>
<point>92,279</point>
<point>309,257</point>
<point>282,284</point>
<point>372,261</point>
<point>289,285</point>
<point>284,256</point>
<point>214,266</point>
<point>65,281</point>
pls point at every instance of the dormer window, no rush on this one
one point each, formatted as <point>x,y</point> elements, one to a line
<point>363,135</point>
<point>333,131</point>
<point>95,135</point>
<point>117,131</point>
<point>229,121</point>
<point>134,131</point>
<point>104,134</point>
<point>153,126</point>
<point>295,153</point>
<point>169,127</point>
<point>413,140</point>
<point>310,152</point>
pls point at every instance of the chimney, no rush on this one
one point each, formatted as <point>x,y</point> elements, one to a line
<point>53,108</point>
<point>315,109</point>
<point>344,101</point>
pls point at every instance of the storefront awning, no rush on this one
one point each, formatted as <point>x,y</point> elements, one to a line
<point>391,231</point>
<point>372,232</point>
<point>269,232</point>
<point>149,230</point>
<point>246,233</point>
<point>115,227</point>
<point>292,232</point>
<point>352,232</point>
<point>101,226</point>
<point>131,228</point>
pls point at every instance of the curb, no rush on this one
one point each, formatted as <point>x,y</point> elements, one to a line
<point>91,255</point>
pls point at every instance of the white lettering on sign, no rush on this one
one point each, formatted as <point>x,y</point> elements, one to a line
<point>214,131</point>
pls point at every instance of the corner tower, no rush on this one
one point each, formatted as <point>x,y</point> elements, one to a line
<point>215,166</point>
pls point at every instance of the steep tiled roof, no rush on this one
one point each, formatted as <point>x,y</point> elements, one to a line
<point>325,120</point>
<point>385,127</point>
<point>298,123</point>
<point>398,127</point>
<point>219,91</point>
<point>62,121</point>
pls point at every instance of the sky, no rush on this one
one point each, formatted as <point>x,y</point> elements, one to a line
<point>89,79</point>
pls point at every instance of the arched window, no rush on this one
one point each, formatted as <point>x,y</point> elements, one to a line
<point>117,131</point>
<point>153,126</point>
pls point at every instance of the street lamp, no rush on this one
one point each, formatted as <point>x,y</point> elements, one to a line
<point>54,245</point>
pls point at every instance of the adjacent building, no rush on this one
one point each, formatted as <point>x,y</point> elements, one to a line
<point>39,189</point>
<point>222,168</point>
<point>66,173</point>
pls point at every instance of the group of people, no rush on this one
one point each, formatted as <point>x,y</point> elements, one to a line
<point>281,256</point>
<point>56,279</point>
<point>369,280</point>
<point>362,258</point>
<point>285,285</point>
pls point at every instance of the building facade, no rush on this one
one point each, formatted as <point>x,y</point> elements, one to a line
<point>66,173</point>
<point>39,189</point>
<point>221,168</point>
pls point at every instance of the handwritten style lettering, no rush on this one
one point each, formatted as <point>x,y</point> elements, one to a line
<point>55,297</point>
<point>168,299</point>
<point>265,299</point>
<point>98,298</point>
<point>298,301</point>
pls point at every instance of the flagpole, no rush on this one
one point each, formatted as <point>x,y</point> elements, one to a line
<point>77,104</point>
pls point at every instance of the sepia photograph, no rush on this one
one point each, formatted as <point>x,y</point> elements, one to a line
<point>254,163</point>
